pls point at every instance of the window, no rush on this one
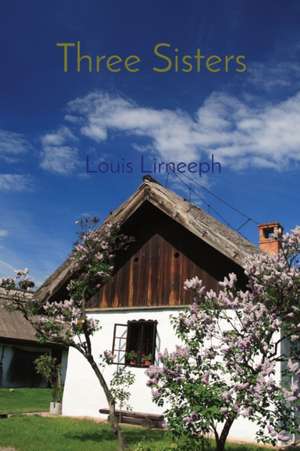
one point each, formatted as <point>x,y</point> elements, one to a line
<point>140,343</point>
<point>21,371</point>
<point>134,343</point>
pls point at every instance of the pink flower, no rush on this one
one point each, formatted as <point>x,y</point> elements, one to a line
<point>205,378</point>
<point>283,436</point>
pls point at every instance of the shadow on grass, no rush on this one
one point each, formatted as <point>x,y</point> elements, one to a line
<point>90,436</point>
<point>131,436</point>
<point>155,437</point>
<point>245,447</point>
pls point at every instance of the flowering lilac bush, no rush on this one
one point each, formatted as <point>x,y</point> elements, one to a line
<point>234,344</point>
<point>65,321</point>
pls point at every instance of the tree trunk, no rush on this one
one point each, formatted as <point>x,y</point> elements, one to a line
<point>220,446</point>
<point>221,440</point>
<point>111,403</point>
<point>116,427</point>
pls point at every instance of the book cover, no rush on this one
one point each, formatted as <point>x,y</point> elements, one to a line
<point>162,138</point>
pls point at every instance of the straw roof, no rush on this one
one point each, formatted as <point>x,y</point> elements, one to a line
<point>13,325</point>
<point>194,219</point>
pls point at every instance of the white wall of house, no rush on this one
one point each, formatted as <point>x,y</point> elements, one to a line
<point>83,395</point>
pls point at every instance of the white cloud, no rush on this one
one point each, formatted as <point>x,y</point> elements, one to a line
<point>272,75</point>
<point>170,132</point>
<point>246,135</point>
<point>3,233</point>
<point>15,182</point>
<point>12,145</point>
<point>58,137</point>
<point>238,132</point>
<point>60,159</point>
<point>57,154</point>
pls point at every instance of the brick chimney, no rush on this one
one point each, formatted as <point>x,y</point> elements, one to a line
<point>268,237</point>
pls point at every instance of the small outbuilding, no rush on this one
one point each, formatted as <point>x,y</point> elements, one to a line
<point>19,347</point>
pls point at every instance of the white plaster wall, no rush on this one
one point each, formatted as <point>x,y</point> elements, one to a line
<point>83,395</point>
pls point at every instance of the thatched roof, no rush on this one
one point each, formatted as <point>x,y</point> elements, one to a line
<point>14,328</point>
<point>13,325</point>
<point>194,219</point>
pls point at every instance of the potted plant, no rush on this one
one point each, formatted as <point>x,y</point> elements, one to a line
<point>147,359</point>
<point>48,367</point>
<point>132,357</point>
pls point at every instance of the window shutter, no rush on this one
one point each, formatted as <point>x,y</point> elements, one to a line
<point>119,343</point>
<point>150,338</point>
<point>133,337</point>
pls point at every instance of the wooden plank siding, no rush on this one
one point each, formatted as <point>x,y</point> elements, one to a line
<point>153,276</point>
<point>164,255</point>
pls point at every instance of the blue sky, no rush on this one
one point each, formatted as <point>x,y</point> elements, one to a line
<point>51,120</point>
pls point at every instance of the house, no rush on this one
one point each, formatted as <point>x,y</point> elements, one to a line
<point>19,347</point>
<point>174,240</point>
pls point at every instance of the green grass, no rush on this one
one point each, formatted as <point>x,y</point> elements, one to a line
<point>21,400</point>
<point>36,433</point>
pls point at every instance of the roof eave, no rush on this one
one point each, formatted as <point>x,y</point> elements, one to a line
<point>177,209</point>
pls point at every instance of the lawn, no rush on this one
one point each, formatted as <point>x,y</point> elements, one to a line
<point>21,400</point>
<point>36,433</point>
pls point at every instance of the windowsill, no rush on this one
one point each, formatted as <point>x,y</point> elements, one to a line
<point>135,365</point>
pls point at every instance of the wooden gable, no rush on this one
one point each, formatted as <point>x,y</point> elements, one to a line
<point>158,218</point>
<point>163,256</point>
